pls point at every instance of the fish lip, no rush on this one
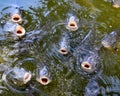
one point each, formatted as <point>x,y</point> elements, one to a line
<point>63,51</point>
<point>106,45</point>
<point>20,31</point>
<point>44,80</point>
<point>72,26</point>
<point>116,6</point>
<point>86,66</point>
<point>16,16</point>
<point>28,75</point>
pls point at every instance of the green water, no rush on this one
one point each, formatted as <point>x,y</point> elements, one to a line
<point>93,14</point>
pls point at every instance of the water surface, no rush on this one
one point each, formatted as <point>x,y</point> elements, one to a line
<point>97,15</point>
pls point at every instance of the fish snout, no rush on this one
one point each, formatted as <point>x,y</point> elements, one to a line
<point>106,45</point>
<point>16,18</point>
<point>27,77</point>
<point>72,26</point>
<point>44,80</point>
<point>86,65</point>
<point>20,31</point>
<point>63,51</point>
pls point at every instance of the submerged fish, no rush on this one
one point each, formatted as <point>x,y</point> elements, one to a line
<point>92,88</point>
<point>115,3</point>
<point>110,40</point>
<point>3,67</point>
<point>16,79</point>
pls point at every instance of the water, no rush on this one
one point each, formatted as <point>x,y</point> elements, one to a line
<point>97,15</point>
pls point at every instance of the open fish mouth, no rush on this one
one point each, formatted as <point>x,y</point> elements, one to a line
<point>44,80</point>
<point>86,66</point>
<point>16,18</point>
<point>20,31</point>
<point>63,51</point>
<point>72,26</point>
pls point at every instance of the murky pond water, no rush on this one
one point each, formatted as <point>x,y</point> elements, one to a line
<point>35,60</point>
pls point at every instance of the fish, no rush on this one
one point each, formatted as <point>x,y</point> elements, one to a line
<point>72,22</point>
<point>12,13</point>
<point>92,88</point>
<point>64,44</point>
<point>87,57</point>
<point>116,3</point>
<point>111,39</point>
<point>43,75</point>
<point>20,76</point>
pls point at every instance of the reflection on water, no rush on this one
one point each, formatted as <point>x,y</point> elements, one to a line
<point>45,26</point>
